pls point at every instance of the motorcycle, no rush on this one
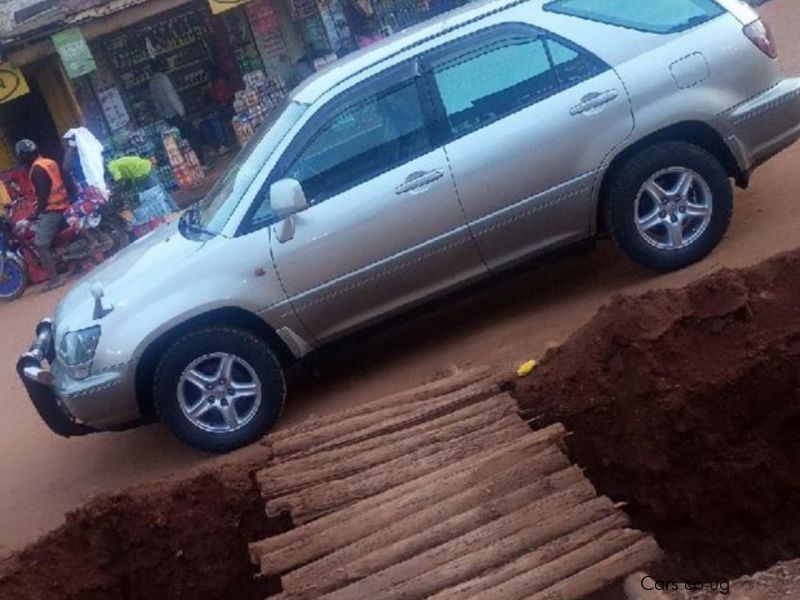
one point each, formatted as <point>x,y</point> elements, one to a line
<point>13,270</point>
<point>70,250</point>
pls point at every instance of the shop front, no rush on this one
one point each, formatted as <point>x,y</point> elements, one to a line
<point>229,62</point>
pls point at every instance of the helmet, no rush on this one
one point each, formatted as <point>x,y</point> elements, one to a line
<point>25,148</point>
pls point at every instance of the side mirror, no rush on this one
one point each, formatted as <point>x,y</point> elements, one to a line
<point>286,198</point>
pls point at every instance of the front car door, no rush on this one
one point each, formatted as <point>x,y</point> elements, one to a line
<point>384,227</point>
<point>529,120</point>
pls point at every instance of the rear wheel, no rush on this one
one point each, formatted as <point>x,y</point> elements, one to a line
<point>13,279</point>
<point>218,389</point>
<point>669,206</point>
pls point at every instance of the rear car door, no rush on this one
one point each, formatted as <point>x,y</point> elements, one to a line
<point>528,119</point>
<point>384,227</point>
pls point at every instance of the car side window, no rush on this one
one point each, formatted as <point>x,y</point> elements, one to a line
<point>507,73</point>
<point>494,80</point>
<point>573,66</point>
<point>363,140</point>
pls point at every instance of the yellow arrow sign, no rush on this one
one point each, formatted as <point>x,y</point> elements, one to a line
<point>12,83</point>
<point>219,6</point>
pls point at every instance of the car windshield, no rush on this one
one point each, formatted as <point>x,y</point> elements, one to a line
<point>212,212</point>
<point>652,16</point>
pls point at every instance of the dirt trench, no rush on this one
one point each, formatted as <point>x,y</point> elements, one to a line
<point>686,405</point>
<point>683,403</point>
<point>185,539</point>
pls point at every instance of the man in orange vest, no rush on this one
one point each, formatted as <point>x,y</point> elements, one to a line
<point>52,199</point>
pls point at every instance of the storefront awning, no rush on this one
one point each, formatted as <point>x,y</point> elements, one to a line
<point>30,41</point>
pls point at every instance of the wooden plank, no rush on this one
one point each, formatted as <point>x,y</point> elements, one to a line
<point>308,504</point>
<point>565,566</point>
<point>402,401</point>
<point>378,423</point>
<point>503,493</point>
<point>350,460</point>
<point>316,539</point>
<point>603,573</point>
<point>425,573</point>
<point>590,520</point>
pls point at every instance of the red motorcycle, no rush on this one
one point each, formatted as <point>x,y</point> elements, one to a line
<point>19,256</point>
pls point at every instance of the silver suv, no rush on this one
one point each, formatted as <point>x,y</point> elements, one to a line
<point>456,149</point>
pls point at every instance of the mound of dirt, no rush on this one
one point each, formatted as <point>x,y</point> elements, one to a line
<point>185,539</point>
<point>686,404</point>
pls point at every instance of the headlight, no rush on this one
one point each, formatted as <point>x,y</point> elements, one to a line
<point>77,349</point>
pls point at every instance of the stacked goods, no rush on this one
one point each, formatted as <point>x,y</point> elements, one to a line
<point>442,491</point>
<point>255,103</point>
<point>147,142</point>
<point>183,160</point>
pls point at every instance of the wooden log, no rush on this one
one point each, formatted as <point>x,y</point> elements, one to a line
<point>544,576</point>
<point>401,400</point>
<point>307,504</point>
<point>304,544</point>
<point>379,422</point>
<point>482,415</point>
<point>591,520</point>
<point>324,458</point>
<point>603,573</point>
<point>427,572</point>
<point>511,489</point>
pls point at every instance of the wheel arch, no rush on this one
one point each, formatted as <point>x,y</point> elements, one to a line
<point>692,132</point>
<point>230,317</point>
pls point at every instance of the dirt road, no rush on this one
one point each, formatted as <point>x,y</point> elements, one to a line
<point>514,319</point>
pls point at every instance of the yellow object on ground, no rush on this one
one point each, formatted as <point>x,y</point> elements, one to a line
<point>527,368</point>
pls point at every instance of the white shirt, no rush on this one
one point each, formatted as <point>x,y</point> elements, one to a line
<point>167,102</point>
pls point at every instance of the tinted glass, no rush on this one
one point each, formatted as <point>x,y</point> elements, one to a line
<point>493,81</point>
<point>573,66</point>
<point>366,139</point>
<point>654,16</point>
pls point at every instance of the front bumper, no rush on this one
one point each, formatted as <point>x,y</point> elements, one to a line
<point>765,125</point>
<point>38,383</point>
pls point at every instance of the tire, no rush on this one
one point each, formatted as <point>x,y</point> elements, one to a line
<point>645,224</point>
<point>15,281</point>
<point>190,380</point>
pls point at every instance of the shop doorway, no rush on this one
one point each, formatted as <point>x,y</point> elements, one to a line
<point>29,117</point>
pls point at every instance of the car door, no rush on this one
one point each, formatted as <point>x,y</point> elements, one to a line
<point>384,228</point>
<point>529,119</point>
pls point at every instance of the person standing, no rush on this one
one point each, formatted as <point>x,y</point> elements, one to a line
<point>223,93</point>
<point>52,200</point>
<point>169,107</point>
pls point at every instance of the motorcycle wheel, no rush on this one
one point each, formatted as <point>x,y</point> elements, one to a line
<point>13,279</point>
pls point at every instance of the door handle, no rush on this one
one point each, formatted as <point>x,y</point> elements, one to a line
<point>592,101</point>
<point>419,179</point>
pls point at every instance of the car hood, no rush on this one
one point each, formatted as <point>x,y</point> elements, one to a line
<point>128,277</point>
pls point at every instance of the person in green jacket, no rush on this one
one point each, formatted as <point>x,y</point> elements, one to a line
<point>154,202</point>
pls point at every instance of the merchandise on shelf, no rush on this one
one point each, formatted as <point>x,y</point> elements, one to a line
<point>175,162</point>
<point>255,103</point>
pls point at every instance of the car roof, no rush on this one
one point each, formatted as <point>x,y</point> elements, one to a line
<point>611,43</point>
<point>344,68</point>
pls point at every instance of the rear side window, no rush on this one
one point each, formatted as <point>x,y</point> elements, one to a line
<point>652,16</point>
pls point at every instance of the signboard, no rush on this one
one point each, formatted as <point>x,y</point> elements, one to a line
<point>265,27</point>
<point>114,108</point>
<point>12,83</point>
<point>220,6</point>
<point>74,53</point>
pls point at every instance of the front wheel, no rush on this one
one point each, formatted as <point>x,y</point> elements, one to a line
<point>13,278</point>
<point>669,206</point>
<point>219,389</point>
